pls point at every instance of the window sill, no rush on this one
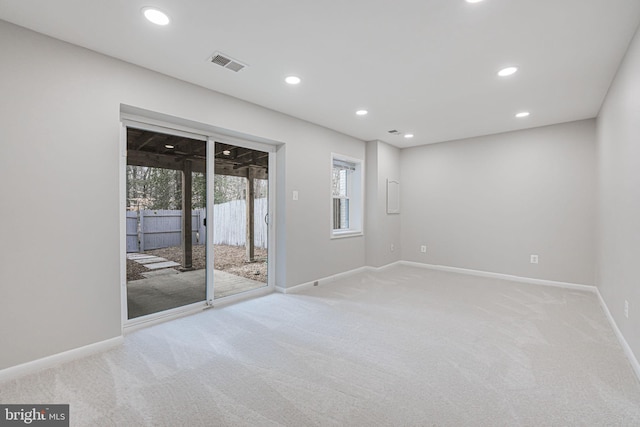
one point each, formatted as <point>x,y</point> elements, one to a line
<point>345,234</point>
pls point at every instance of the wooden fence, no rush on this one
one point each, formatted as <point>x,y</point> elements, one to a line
<point>155,229</point>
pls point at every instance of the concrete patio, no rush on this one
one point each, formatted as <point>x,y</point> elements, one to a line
<point>169,288</point>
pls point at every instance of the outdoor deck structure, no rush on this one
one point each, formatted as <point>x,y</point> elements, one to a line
<point>159,150</point>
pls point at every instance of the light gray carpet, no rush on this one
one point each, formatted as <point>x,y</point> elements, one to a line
<point>401,347</point>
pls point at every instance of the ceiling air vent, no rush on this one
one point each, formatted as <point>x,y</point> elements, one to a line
<point>394,132</point>
<point>225,61</point>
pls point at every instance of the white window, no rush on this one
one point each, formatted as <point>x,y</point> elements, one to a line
<point>346,196</point>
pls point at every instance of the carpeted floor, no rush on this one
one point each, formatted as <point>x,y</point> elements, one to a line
<point>400,347</point>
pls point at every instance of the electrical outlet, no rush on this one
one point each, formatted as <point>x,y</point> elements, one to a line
<point>393,247</point>
<point>626,309</point>
<point>534,259</point>
<point>423,249</point>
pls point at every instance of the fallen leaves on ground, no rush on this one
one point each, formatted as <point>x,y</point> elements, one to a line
<point>231,259</point>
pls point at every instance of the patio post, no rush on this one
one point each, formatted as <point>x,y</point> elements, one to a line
<point>187,238</point>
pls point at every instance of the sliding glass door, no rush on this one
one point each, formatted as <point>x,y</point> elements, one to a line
<point>166,221</point>
<point>241,219</point>
<point>197,219</point>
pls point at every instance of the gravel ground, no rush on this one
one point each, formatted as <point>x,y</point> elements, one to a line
<point>226,258</point>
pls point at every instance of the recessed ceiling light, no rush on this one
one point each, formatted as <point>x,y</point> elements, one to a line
<point>293,80</point>
<point>362,112</point>
<point>507,71</point>
<point>226,152</point>
<point>408,135</point>
<point>523,114</point>
<point>155,16</point>
<point>474,1</point>
<point>169,146</point>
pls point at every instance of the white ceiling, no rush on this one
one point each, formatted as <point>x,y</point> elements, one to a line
<point>427,67</point>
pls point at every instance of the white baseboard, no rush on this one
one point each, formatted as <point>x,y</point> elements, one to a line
<point>384,267</point>
<point>623,342</point>
<point>566,285</point>
<point>531,280</point>
<point>329,279</point>
<point>323,281</point>
<point>57,359</point>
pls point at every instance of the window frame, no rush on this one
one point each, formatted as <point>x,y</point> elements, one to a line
<point>355,198</point>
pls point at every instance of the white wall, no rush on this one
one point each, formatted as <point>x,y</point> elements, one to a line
<point>488,203</point>
<point>382,229</point>
<point>619,197</point>
<point>59,148</point>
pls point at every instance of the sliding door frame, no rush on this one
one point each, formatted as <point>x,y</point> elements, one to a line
<point>210,138</point>
<point>172,312</point>
<point>271,224</point>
